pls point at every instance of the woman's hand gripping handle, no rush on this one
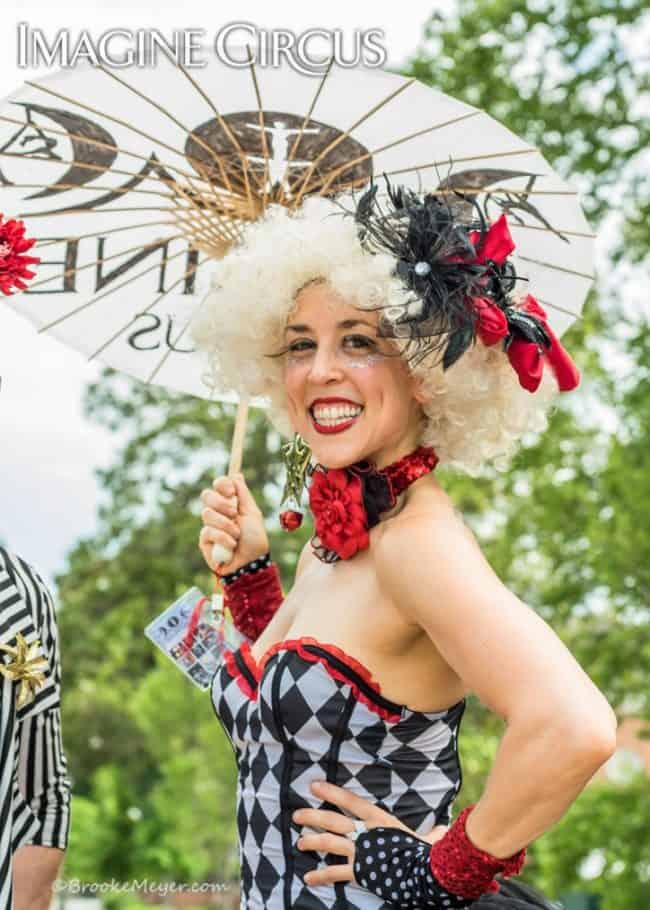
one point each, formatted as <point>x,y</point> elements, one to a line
<point>233,531</point>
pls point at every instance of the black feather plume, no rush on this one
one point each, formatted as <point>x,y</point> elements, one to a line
<point>433,254</point>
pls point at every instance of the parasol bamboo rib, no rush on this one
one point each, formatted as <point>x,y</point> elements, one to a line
<point>163,360</point>
<point>210,226</point>
<point>96,143</point>
<point>87,166</point>
<point>186,220</point>
<point>328,148</point>
<point>84,306</point>
<point>538,227</point>
<point>113,119</point>
<point>111,211</point>
<point>260,115</point>
<point>304,123</point>
<point>472,190</point>
<point>354,161</point>
<point>191,271</point>
<point>213,154</point>
<point>122,190</point>
<point>430,164</point>
<point>224,126</point>
<point>42,244</point>
<point>219,202</point>
<point>177,190</point>
<point>193,231</point>
<point>557,268</point>
<point>235,232</point>
<point>556,306</point>
<point>89,265</point>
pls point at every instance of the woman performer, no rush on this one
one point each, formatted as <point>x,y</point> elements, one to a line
<point>389,342</point>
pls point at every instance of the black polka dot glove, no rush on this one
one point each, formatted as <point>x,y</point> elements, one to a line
<point>395,866</point>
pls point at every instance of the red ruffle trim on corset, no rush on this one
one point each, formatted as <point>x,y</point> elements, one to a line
<point>234,671</point>
<point>298,644</point>
<point>253,599</point>
<point>466,870</point>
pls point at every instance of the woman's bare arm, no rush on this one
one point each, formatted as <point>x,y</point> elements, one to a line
<point>560,728</point>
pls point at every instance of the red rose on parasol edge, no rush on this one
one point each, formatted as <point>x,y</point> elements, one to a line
<point>13,261</point>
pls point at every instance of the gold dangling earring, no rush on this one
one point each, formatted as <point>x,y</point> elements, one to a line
<point>296,456</point>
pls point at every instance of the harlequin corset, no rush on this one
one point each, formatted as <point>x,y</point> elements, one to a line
<point>308,711</point>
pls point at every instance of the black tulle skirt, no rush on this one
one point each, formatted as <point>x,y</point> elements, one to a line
<point>515,895</point>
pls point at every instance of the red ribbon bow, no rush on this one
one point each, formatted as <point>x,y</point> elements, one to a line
<point>526,357</point>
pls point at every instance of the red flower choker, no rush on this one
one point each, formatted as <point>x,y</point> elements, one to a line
<point>347,502</point>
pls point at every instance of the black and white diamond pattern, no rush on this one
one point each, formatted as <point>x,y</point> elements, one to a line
<point>306,725</point>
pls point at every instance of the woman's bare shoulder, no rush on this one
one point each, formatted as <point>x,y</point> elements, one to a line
<point>431,509</point>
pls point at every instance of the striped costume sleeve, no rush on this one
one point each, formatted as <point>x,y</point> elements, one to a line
<point>43,782</point>
<point>35,792</point>
<point>7,736</point>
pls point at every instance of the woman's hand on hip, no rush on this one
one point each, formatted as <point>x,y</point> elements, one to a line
<point>336,826</point>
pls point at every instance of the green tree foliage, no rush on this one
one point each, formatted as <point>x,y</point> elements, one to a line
<point>565,528</point>
<point>154,776</point>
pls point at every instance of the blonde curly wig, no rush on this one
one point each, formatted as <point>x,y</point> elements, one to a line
<point>475,411</point>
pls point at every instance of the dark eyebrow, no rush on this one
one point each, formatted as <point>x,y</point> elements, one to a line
<point>345,324</point>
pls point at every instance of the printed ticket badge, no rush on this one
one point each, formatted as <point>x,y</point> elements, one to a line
<point>214,633</point>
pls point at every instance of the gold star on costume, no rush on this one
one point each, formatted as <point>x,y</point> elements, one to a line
<point>26,667</point>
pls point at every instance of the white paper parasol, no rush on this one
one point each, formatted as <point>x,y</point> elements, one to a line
<point>135,181</point>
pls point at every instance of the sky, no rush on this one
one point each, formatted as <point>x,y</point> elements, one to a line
<point>49,452</point>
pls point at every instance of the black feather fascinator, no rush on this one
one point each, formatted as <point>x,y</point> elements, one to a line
<point>443,258</point>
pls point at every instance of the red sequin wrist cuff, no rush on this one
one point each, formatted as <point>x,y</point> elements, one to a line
<point>463,868</point>
<point>253,599</point>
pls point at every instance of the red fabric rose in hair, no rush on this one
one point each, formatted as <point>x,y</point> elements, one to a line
<point>340,519</point>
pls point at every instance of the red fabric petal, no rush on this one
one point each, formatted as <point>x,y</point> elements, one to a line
<point>336,500</point>
<point>492,322</point>
<point>13,262</point>
<point>565,370</point>
<point>497,242</point>
<point>527,362</point>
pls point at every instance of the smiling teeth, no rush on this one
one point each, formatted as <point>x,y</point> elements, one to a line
<point>330,416</point>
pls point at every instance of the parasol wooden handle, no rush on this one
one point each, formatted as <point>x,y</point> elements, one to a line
<point>221,554</point>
